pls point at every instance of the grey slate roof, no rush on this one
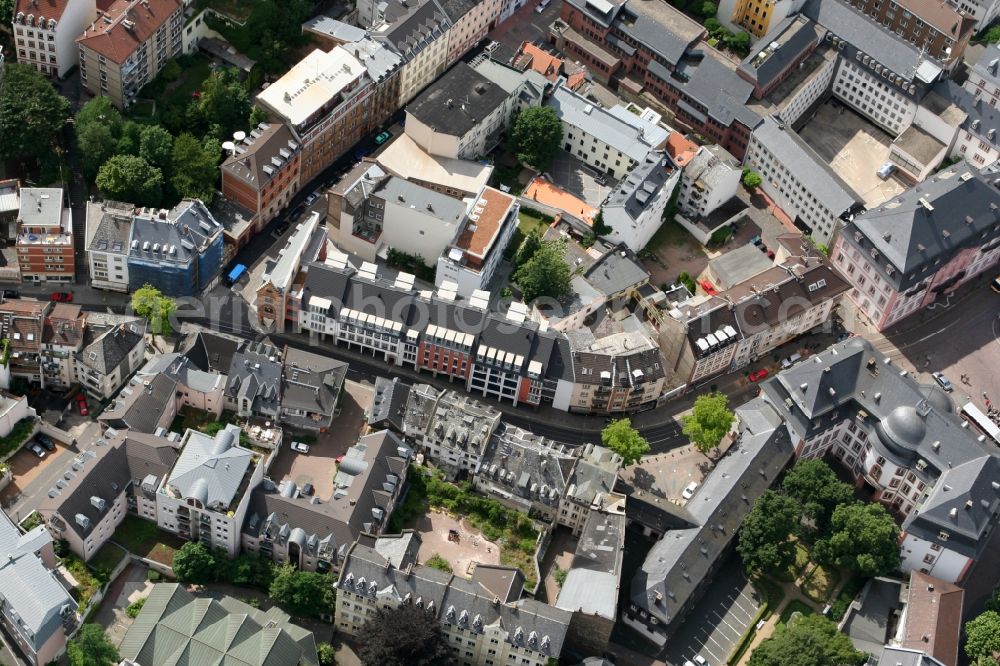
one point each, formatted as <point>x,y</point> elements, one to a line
<point>175,627</point>
<point>660,27</point>
<point>929,223</point>
<point>988,65</point>
<point>413,26</point>
<point>404,193</point>
<point>311,382</point>
<point>389,404</point>
<point>868,626</point>
<point>809,168</point>
<point>527,623</point>
<point>794,37</point>
<point>113,346</point>
<point>255,374</point>
<point>141,404</point>
<point>109,224</point>
<point>678,562</point>
<point>186,229</point>
<point>981,116</point>
<point>592,584</point>
<point>27,587</point>
<point>520,463</point>
<point>628,200</point>
<point>615,272</point>
<point>211,352</point>
<point>713,84</point>
<point>211,469</point>
<point>738,265</point>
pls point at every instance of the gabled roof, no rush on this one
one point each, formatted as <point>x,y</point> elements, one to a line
<point>125,26</point>
<point>141,404</point>
<point>258,159</point>
<point>113,346</point>
<point>933,619</point>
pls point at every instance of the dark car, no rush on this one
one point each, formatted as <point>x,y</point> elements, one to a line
<point>11,293</point>
<point>307,489</point>
<point>45,441</point>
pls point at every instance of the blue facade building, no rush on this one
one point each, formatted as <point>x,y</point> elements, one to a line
<point>178,251</point>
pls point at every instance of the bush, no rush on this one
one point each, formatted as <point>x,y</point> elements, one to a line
<point>688,282</point>
<point>171,71</point>
<point>437,562</point>
<point>560,576</point>
<point>18,435</point>
<point>132,610</point>
<point>153,576</point>
<point>33,520</point>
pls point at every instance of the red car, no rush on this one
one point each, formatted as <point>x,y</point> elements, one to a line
<point>81,404</point>
<point>62,296</point>
<point>759,375</point>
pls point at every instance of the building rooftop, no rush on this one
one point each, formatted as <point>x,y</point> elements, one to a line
<point>410,27</point>
<point>141,404</point>
<point>592,584</point>
<point>175,236</point>
<point>616,272</point>
<point>50,10</point>
<point>871,624</point>
<point>662,28</point>
<point>280,273</point>
<point>175,627</point>
<point>311,383</point>
<point>458,101</point>
<point>737,266</point>
<point>255,375</point>
<point>933,617</point>
<point>625,204</point>
<point>109,226</point>
<point>485,222</point>
<point>706,77</point>
<point>315,85</point>
<point>988,65</point>
<point>389,404</point>
<point>524,465</point>
<point>41,207</point>
<point>625,132</point>
<point>404,158</point>
<point>259,157</point>
<point>125,26</point>
<point>405,194</point>
<point>785,44</point>
<point>29,590</point>
<point>210,469</point>
<point>338,31</point>
<point>538,60</point>
<point>919,144</point>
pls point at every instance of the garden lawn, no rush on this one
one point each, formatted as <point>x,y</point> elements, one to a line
<point>145,539</point>
<point>88,581</point>
<point>106,559</point>
<point>772,591</point>
<point>820,583</point>
<point>529,221</point>
<point>795,606</point>
<point>669,234</point>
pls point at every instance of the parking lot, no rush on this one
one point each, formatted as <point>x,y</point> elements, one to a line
<point>32,477</point>
<point>526,26</point>
<point>716,623</point>
<point>854,148</point>
<point>578,179</point>
<point>319,466</point>
<point>666,474</point>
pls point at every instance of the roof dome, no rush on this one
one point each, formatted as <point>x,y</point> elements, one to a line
<point>938,399</point>
<point>199,491</point>
<point>224,440</point>
<point>902,430</point>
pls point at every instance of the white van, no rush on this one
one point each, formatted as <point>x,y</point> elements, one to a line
<point>542,5</point>
<point>791,360</point>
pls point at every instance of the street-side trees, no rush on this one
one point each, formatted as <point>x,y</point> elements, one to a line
<point>132,179</point>
<point>149,302</point>
<point>91,647</point>
<point>709,421</point>
<point>536,136</point>
<point>546,273</point>
<point>303,592</point>
<point>193,563</point>
<point>982,638</point>
<point>764,540</point>
<point>194,167</point>
<point>817,489</point>
<point>403,636</point>
<point>863,538</point>
<point>810,640</point>
<point>32,113</point>
<point>623,439</point>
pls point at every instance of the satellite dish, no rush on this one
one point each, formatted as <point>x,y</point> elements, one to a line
<point>239,136</point>
<point>229,146</point>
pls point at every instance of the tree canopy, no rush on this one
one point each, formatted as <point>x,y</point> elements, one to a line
<point>223,105</point>
<point>98,127</point>
<point>193,563</point>
<point>982,636</point>
<point>132,179</point>
<point>815,486</point>
<point>623,439</point>
<point>303,592</point>
<point>32,113</point>
<point>194,167</point>
<point>810,640</point>
<point>528,247</point>
<point>764,542</point>
<point>149,302</point>
<point>709,421</point>
<point>546,273</point>
<point>536,136</point>
<point>403,636</point>
<point>156,146</point>
<point>91,647</point>
<point>751,179</point>
<point>863,538</point>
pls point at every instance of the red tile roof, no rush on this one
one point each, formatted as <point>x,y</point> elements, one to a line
<point>933,617</point>
<point>479,234</point>
<point>50,9</point>
<point>108,35</point>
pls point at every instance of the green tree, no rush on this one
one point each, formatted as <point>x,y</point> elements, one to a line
<point>303,592</point>
<point>403,636</point>
<point>156,146</point>
<point>623,439</point>
<point>536,136</point>
<point>130,141</point>
<point>6,12</point>
<point>32,113</point>
<point>709,421</point>
<point>98,125</point>
<point>91,647</point>
<point>257,116</point>
<point>982,636</point>
<point>326,654</point>
<point>224,102</point>
<point>546,273</point>
<point>150,303</point>
<point>526,250</point>
<point>751,179</point>
<point>764,542</point>
<point>193,563</point>
<point>739,42</point>
<point>863,538</point>
<point>194,168</point>
<point>708,9</point>
<point>713,26</point>
<point>99,111</point>
<point>816,487</point>
<point>993,35</point>
<point>688,282</point>
<point>599,227</point>
<point>811,640</point>
<point>132,179</point>
<point>993,603</point>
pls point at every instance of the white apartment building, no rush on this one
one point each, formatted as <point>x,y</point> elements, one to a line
<point>610,140</point>
<point>634,210</point>
<point>983,11</point>
<point>471,259</point>
<point>45,32</point>
<point>709,180</point>
<point>206,496</point>
<point>800,181</point>
<point>109,225</point>
<point>419,33</point>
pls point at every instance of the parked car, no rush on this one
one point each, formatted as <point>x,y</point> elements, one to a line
<point>11,293</point>
<point>943,381</point>
<point>37,450</point>
<point>886,170</point>
<point>300,447</point>
<point>758,375</point>
<point>700,660</point>
<point>46,441</point>
<point>382,138</point>
<point>307,490</point>
<point>81,404</point>
<point>62,297</point>
<point>281,229</point>
<point>541,6</point>
<point>791,360</point>
<point>311,198</point>
<point>688,491</point>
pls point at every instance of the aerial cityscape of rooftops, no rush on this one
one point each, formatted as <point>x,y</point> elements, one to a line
<point>500,332</point>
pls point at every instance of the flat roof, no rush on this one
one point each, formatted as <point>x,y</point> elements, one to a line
<point>482,230</point>
<point>406,159</point>
<point>311,84</point>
